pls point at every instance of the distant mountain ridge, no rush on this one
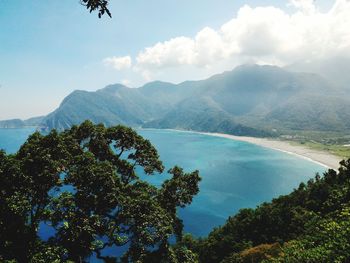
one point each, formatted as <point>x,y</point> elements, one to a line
<point>249,100</point>
<point>18,123</point>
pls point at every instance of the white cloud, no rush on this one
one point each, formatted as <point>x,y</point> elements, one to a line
<point>304,5</point>
<point>126,82</point>
<point>204,49</point>
<point>268,35</point>
<point>146,75</point>
<point>176,51</point>
<point>119,63</point>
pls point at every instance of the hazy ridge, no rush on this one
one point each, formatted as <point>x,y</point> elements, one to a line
<point>249,100</point>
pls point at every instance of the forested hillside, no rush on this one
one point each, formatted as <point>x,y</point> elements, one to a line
<point>312,224</point>
<point>250,100</point>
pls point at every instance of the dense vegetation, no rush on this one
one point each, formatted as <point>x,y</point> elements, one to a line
<point>312,224</point>
<point>82,184</point>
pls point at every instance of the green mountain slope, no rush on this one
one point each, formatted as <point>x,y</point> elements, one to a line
<point>203,114</point>
<point>264,98</point>
<point>115,104</point>
<point>249,100</point>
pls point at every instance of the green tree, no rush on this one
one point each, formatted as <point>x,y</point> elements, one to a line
<point>83,182</point>
<point>326,241</point>
<point>26,180</point>
<point>312,222</point>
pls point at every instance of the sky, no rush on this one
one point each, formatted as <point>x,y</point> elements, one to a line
<point>50,48</point>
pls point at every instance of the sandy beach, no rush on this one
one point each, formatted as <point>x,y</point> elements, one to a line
<point>323,158</point>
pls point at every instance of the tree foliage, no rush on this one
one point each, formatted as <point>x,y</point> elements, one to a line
<point>97,5</point>
<point>82,183</point>
<point>311,224</point>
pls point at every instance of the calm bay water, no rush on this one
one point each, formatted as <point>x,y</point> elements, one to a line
<point>12,139</point>
<point>234,174</point>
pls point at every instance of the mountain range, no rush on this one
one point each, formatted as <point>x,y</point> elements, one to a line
<point>249,100</point>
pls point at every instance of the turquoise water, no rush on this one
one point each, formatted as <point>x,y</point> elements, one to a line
<point>234,174</point>
<point>12,139</point>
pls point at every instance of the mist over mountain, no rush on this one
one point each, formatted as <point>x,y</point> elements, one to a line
<point>334,69</point>
<point>249,100</point>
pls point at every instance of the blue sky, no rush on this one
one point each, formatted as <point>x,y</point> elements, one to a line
<point>50,48</point>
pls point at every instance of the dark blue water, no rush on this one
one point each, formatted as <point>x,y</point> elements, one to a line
<point>234,174</point>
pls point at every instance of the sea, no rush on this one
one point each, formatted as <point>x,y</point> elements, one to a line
<point>234,174</point>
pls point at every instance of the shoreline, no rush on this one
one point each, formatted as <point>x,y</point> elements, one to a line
<point>323,158</point>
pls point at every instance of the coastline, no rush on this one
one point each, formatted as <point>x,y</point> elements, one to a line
<point>323,158</point>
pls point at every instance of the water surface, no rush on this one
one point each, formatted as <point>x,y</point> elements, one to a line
<point>234,174</point>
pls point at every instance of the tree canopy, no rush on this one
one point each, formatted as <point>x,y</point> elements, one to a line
<point>82,186</point>
<point>309,225</point>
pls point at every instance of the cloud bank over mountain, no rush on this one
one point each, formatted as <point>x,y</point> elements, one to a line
<point>264,35</point>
